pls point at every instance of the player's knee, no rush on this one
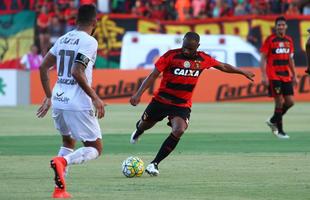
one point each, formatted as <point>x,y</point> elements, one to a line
<point>289,104</point>
<point>178,131</point>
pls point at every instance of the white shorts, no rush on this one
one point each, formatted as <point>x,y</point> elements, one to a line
<point>80,125</point>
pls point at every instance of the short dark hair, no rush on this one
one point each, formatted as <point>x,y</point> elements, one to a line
<point>86,14</point>
<point>192,36</point>
<point>281,18</point>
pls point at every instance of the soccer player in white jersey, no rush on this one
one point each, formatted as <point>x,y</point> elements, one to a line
<point>73,98</point>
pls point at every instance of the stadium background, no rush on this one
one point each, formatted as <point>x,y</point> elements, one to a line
<point>227,152</point>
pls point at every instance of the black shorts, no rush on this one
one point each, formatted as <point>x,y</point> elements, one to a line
<point>277,88</point>
<point>157,111</point>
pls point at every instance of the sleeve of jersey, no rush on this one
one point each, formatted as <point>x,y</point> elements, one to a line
<point>53,50</point>
<point>162,63</point>
<point>86,52</point>
<point>265,48</point>
<point>210,62</point>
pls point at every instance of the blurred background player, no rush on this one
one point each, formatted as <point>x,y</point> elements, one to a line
<point>278,72</point>
<point>308,54</point>
<point>181,69</point>
<point>72,97</point>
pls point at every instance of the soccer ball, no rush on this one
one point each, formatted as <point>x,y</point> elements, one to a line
<point>133,166</point>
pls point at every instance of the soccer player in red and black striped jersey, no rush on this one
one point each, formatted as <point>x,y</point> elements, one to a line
<point>308,54</point>
<point>277,64</point>
<point>180,69</point>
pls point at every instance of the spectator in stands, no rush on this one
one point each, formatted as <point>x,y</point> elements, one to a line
<point>70,14</point>
<point>43,22</point>
<point>198,8</point>
<point>182,7</point>
<point>56,29</point>
<point>292,9</point>
<point>241,8</point>
<point>32,60</point>
<point>139,9</point>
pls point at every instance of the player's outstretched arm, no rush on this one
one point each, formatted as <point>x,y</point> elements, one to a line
<point>48,61</point>
<point>80,77</point>
<point>308,54</point>
<point>135,99</point>
<point>224,67</point>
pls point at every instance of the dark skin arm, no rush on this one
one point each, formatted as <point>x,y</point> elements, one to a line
<point>224,67</point>
<point>48,61</point>
<point>78,72</point>
<point>308,55</point>
<point>135,99</point>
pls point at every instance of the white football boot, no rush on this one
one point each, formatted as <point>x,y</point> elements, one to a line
<point>273,127</point>
<point>134,140</point>
<point>152,169</point>
<point>283,135</point>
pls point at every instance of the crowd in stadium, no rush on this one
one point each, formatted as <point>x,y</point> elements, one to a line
<point>54,19</point>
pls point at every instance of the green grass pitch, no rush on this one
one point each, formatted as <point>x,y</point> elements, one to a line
<point>228,153</point>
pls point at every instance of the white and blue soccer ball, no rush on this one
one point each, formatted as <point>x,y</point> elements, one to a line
<point>133,167</point>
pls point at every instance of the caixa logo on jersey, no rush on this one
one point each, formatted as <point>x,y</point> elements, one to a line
<point>282,50</point>
<point>186,72</point>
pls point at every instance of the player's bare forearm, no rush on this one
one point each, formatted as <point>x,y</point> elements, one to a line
<point>48,61</point>
<point>135,99</point>
<point>224,67</point>
<point>80,77</point>
<point>308,55</point>
<point>148,82</point>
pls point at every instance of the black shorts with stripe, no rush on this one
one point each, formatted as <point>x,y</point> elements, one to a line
<point>157,111</point>
<point>277,88</point>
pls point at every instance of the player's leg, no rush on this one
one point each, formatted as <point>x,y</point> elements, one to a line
<point>154,112</point>
<point>308,54</point>
<point>288,92</point>
<point>178,125</point>
<point>84,127</point>
<point>275,91</point>
<point>67,147</point>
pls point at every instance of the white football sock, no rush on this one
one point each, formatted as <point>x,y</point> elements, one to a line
<point>63,151</point>
<point>81,155</point>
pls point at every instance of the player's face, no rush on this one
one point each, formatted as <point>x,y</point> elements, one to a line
<point>281,27</point>
<point>189,48</point>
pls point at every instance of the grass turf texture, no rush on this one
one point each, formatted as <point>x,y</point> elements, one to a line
<point>227,153</point>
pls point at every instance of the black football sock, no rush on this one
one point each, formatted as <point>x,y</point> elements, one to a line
<point>280,127</point>
<point>139,131</point>
<point>277,116</point>
<point>166,148</point>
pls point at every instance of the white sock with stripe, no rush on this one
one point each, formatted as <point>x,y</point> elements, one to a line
<point>63,151</point>
<point>81,155</point>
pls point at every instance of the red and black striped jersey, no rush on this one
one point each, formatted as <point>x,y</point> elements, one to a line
<point>180,76</point>
<point>278,51</point>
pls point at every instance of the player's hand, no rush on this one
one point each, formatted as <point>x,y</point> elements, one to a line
<point>249,75</point>
<point>41,112</point>
<point>135,100</point>
<point>99,108</point>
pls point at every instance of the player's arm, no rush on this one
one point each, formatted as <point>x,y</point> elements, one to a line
<point>78,72</point>
<point>263,67</point>
<point>135,99</point>
<point>224,67</point>
<point>48,61</point>
<point>292,68</point>
<point>308,55</point>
